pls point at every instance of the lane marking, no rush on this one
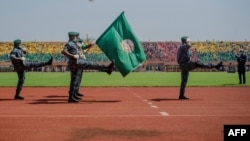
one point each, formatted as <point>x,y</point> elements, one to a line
<point>150,103</point>
<point>74,116</point>
<point>154,106</point>
<point>101,116</point>
<point>211,115</point>
<point>164,113</point>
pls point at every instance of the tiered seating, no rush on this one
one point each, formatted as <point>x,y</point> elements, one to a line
<point>208,51</point>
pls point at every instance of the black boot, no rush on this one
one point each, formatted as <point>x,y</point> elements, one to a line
<point>109,69</point>
<point>18,97</point>
<point>183,98</point>
<point>50,61</point>
<point>72,99</point>
<point>77,97</point>
<point>79,94</point>
<point>218,65</point>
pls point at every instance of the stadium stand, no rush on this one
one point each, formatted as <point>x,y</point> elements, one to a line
<point>161,56</point>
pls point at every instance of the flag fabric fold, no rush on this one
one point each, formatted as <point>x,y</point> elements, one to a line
<point>121,45</point>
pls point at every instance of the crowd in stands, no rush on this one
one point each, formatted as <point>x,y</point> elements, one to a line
<point>207,51</point>
<point>163,51</point>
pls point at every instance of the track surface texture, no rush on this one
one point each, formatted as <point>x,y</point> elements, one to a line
<point>122,113</point>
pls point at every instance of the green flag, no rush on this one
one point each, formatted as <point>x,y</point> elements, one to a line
<point>121,45</point>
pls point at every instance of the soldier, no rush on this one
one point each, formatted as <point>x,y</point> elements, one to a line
<point>17,57</point>
<point>76,64</point>
<point>186,64</point>
<point>82,50</point>
<point>241,59</point>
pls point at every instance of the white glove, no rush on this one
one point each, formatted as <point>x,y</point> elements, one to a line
<point>24,49</point>
<point>23,58</point>
<point>79,45</point>
<point>83,56</point>
<point>76,56</point>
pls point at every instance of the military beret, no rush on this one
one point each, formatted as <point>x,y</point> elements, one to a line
<point>184,39</point>
<point>80,40</point>
<point>73,33</point>
<point>17,41</point>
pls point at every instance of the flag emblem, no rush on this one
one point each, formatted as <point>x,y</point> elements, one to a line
<point>127,46</point>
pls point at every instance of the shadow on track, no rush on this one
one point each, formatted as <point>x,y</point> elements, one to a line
<point>55,99</point>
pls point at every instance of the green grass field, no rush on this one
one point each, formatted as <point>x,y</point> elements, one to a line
<point>139,79</point>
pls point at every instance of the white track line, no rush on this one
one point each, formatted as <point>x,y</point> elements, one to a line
<point>73,116</point>
<point>148,102</point>
<point>211,115</point>
<point>114,116</point>
<point>164,113</point>
<point>154,106</point>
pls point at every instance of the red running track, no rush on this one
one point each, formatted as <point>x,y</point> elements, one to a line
<point>122,113</point>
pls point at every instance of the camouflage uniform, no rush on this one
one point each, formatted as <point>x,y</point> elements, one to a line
<point>20,67</point>
<point>241,59</point>
<point>186,65</point>
<point>76,67</point>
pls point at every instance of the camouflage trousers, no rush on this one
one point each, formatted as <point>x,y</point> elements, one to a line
<point>75,80</point>
<point>80,74</point>
<point>87,65</point>
<point>76,72</point>
<point>21,78</point>
<point>185,68</point>
<point>20,69</point>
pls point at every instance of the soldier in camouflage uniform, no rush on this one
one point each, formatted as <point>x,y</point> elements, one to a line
<point>186,64</point>
<point>82,56</point>
<point>17,57</point>
<point>76,64</point>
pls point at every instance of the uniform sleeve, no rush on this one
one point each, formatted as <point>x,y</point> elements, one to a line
<point>71,48</point>
<point>13,53</point>
<point>66,47</point>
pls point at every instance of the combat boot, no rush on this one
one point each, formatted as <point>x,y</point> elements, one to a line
<point>109,69</point>
<point>76,97</point>
<point>218,65</point>
<point>79,94</point>
<point>72,99</point>
<point>49,62</point>
<point>18,97</point>
<point>183,98</point>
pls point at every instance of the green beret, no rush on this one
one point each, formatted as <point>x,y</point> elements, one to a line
<point>73,33</point>
<point>184,39</point>
<point>17,41</point>
<point>80,40</point>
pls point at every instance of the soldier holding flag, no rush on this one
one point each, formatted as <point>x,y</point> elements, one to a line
<point>76,64</point>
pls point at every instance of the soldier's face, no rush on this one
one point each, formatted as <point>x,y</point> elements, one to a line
<point>189,44</point>
<point>72,37</point>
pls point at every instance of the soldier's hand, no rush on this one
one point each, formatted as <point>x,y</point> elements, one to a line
<point>83,56</point>
<point>24,50</point>
<point>79,45</point>
<point>76,56</point>
<point>23,58</point>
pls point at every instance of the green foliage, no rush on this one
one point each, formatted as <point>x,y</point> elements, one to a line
<point>139,79</point>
